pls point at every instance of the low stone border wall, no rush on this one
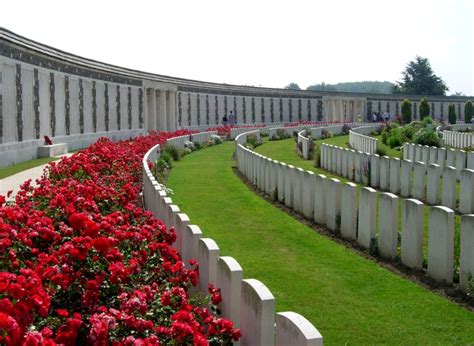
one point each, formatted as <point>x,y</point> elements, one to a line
<point>458,139</point>
<point>359,139</point>
<point>405,177</point>
<point>340,208</point>
<point>441,156</point>
<point>247,302</point>
<point>16,152</point>
<point>195,137</point>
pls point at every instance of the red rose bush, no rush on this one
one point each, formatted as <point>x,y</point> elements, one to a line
<point>82,263</point>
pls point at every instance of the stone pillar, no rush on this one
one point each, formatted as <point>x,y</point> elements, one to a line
<point>161,110</point>
<point>151,109</point>
<point>349,211</point>
<point>367,216</point>
<point>448,196</point>
<point>466,270</point>
<point>172,118</point>
<point>432,187</point>
<point>412,234</point>
<point>441,244</point>
<point>388,225</point>
<point>466,201</point>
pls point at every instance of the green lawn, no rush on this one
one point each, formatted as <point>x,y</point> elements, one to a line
<point>10,170</point>
<point>349,299</point>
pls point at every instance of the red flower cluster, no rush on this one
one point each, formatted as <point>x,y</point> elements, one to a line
<point>82,263</point>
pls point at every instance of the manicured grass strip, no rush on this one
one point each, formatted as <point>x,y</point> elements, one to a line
<point>350,299</point>
<point>23,166</point>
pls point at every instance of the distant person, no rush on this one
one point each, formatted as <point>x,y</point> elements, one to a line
<point>224,120</point>
<point>231,118</point>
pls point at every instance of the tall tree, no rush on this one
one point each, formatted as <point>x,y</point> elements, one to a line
<point>406,111</point>
<point>293,86</point>
<point>452,114</point>
<point>468,112</point>
<point>418,79</point>
<point>424,108</point>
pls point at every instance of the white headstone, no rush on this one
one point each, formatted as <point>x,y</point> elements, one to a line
<point>333,203</point>
<point>441,244</point>
<point>367,216</point>
<point>466,260</point>
<point>419,185</point>
<point>433,184</point>
<point>412,233</point>
<point>388,225</point>
<point>320,199</point>
<point>448,194</point>
<point>466,202</point>
<point>349,211</point>
<point>257,314</point>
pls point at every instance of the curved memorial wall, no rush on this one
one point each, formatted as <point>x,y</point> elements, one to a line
<point>73,100</point>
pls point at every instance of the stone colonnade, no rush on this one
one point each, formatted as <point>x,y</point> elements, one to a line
<point>344,109</point>
<point>160,109</point>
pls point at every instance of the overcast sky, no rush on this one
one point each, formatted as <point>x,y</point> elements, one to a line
<point>260,43</point>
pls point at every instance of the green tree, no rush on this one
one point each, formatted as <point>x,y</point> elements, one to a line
<point>424,108</point>
<point>406,109</point>
<point>418,79</point>
<point>468,112</point>
<point>322,87</point>
<point>293,86</point>
<point>452,114</point>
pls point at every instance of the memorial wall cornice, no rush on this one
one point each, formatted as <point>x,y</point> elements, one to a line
<point>22,49</point>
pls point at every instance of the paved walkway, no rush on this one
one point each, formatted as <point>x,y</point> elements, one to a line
<point>14,182</point>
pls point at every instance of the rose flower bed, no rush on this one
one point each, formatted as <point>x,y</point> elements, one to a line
<point>82,263</point>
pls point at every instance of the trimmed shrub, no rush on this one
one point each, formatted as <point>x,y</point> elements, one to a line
<point>427,120</point>
<point>382,151</point>
<point>426,136</point>
<point>173,151</point>
<point>317,155</point>
<point>406,109</point>
<point>468,112</point>
<point>452,114</point>
<point>395,140</point>
<point>424,108</point>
